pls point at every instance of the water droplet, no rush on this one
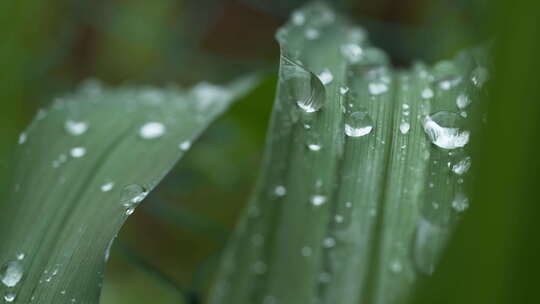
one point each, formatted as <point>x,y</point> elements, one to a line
<point>22,138</point>
<point>404,127</point>
<point>343,90</point>
<point>325,76</point>
<point>358,124</point>
<point>184,146</point>
<point>445,130</point>
<point>152,130</point>
<point>11,273</point>
<point>462,166</point>
<point>462,101</point>
<point>427,93</point>
<point>405,106</point>
<point>317,200</point>
<point>77,152</point>
<point>280,190</point>
<point>132,195</point>
<point>298,18</point>
<point>329,242</point>
<point>20,256</point>
<point>306,251</point>
<point>76,128</point>
<point>377,88</point>
<point>429,240</point>
<point>107,187</point>
<point>301,86</point>
<point>479,76</point>
<point>396,267</point>
<point>352,52</point>
<point>460,202</point>
<point>447,84</point>
<point>10,297</point>
<point>314,147</point>
<point>312,33</point>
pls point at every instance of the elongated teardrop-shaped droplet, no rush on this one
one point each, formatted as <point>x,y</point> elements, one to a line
<point>446,130</point>
<point>358,124</point>
<point>301,86</point>
<point>75,128</point>
<point>11,273</point>
<point>151,130</point>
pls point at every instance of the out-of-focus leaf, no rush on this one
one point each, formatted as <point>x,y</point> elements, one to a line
<point>83,166</point>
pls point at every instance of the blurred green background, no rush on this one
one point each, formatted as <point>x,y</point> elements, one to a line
<point>172,243</point>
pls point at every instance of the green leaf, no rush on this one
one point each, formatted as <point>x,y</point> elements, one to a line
<point>83,166</point>
<point>359,189</point>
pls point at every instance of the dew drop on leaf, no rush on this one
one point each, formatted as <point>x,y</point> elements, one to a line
<point>445,130</point>
<point>325,76</point>
<point>462,101</point>
<point>11,273</point>
<point>77,152</point>
<point>185,145</point>
<point>358,124</point>
<point>460,202</point>
<point>352,52</point>
<point>427,93</point>
<point>314,147</point>
<point>22,138</point>
<point>10,297</point>
<point>404,127</point>
<point>312,33</point>
<point>107,187</point>
<point>479,76</point>
<point>75,128</point>
<point>317,200</point>
<point>280,190</point>
<point>151,130</point>
<point>462,166</point>
<point>377,88</point>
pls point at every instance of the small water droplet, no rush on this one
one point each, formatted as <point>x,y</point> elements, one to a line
<point>479,76</point>
<point>10,297</point>
<point>352,52</point>
<point>343,90</point>
<point>405,106</point>
<point>377,88</point>
<point>445,130</point>
<point>77,152</point>
<point>306,251</point>
<point>460,202</point>
<point>427,93</point>
<point>396,267</point>
<point>314,147</point>
<point>151,130</point>
<point>429,240</point>
<point>11,273</point>
<point>338,218</point>
<point>312,33</point>
<point>462,166</point>
<point>75,128</point>
<point>404,127</point>
<point>184,146</point>
<point>20,256</point>
<point>298,18</point>
<point>317,200</point>
<point>107,187</point>
<point>280,190</point>
<point>462,101</point>
<point>22,138</point>
<point>259,267</point>
<point>447,84</point>
<point>132,195</point>
<point>325,76</point>
<point>358,124</point>
<point>329,242</point>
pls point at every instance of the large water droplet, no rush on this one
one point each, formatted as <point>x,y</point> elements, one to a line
<point>152,130</point>
<point>301,86</point>
<point>11,273</point>
<point>358,124</point>
<point>445,130</point>
<point>76,128</point>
